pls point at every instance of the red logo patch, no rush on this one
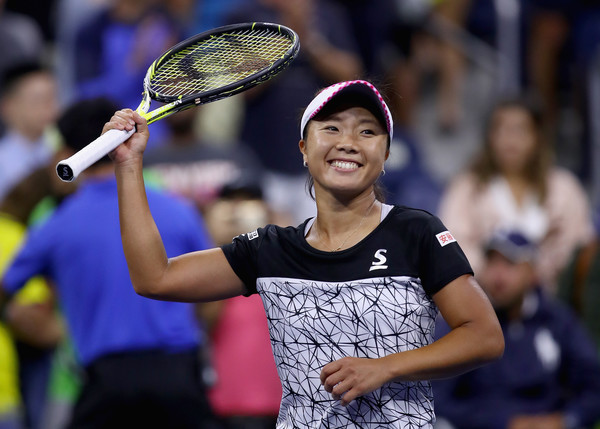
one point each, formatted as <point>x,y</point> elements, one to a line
<point>445,238</point>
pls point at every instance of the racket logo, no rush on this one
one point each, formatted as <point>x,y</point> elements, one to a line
<point>379,263</point>
<point>64,172</point>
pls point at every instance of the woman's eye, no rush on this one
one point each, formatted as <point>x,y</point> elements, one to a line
<point>331,128</point>
<point>370,132</point>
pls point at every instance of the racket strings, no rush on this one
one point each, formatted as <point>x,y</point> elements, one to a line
<point>218,61</point>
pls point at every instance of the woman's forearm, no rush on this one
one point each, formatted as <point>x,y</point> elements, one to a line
<point>461,350</point>
<point>144,251</point>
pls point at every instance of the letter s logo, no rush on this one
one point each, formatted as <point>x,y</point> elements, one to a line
<point>380,260</point>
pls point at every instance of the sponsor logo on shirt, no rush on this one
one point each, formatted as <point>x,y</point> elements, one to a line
<point>445,238</point>
<point>380,260</point>
<point>252,235</point>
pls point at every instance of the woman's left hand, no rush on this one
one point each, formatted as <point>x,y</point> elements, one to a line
<point>350,377</point>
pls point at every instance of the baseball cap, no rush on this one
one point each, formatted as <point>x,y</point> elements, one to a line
<point>353,90</point>
<point>513,245</point>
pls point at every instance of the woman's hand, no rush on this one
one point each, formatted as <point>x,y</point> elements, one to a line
<point>131,150</point>
<point>350,377</point>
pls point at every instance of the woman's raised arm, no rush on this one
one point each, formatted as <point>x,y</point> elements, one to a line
<point>198,276</point>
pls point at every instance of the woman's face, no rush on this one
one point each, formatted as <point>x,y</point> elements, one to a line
<point>345,151</point>
<point>513,138</point>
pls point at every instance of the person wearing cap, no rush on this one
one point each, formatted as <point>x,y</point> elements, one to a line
<point>351,295</point>
<point>549,377</point>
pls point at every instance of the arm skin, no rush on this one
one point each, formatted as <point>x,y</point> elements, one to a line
<point>33,324</point>
<point>198,276</point>
<point>475,339</point>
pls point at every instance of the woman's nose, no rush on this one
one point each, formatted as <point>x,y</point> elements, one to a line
<point>346,143</point>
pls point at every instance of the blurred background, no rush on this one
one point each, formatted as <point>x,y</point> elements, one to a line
<point>441,64</point>
<point>497,115</point>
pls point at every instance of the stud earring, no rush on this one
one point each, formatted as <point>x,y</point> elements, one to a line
<point>305,164</point>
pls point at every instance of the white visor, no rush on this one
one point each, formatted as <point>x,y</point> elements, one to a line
<point>360,87</point>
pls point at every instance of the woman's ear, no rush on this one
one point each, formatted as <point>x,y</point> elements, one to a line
<point>302,146</point>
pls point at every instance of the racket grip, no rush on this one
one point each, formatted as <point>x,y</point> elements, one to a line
<point>70,168</point>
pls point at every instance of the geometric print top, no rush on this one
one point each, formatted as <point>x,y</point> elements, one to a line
<point>369,301</point>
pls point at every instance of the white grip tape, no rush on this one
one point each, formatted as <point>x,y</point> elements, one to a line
<point>70,168</point>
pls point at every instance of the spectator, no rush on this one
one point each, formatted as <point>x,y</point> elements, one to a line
<point>513,183</point>
<point>328,54</point>
<point>247,392</point>
<point>24,377</point>
<point>140,356</point>
<point>28,107</point>
<point>549,376</point>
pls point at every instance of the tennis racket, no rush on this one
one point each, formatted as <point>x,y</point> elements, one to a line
<point>207,67</point>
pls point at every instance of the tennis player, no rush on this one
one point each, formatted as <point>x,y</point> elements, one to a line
<point>351,295</point>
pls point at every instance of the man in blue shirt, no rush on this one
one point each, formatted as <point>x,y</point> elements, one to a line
<point>140,355</point>
<point>549,376</point>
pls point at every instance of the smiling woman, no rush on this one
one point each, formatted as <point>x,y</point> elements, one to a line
<point>351,295</point>
<point>329,104</point>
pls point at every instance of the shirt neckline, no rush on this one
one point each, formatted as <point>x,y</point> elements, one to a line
<point>385,211</point>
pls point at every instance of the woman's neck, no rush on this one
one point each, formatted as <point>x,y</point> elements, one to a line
<point>519,186</point>
<point>341,224</point>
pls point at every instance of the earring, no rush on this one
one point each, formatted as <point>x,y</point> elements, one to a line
<point>383,172</point>
<point>305,164</point>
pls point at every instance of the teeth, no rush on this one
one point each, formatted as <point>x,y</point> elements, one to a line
<point>344,165</point>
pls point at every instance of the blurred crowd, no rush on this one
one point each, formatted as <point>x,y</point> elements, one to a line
<point>496,106</point>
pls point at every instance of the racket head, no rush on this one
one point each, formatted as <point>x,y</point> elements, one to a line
<point>219,63</point>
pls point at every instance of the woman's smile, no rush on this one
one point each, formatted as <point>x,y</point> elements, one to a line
<point>344,165</point>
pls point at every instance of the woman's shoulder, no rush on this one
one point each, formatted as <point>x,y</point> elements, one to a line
<point>563,177</point>
<point>273,232</point>
<point>564,185</point>
<point>464,184</point>
<point>412,219</point>
<point>401,211</point>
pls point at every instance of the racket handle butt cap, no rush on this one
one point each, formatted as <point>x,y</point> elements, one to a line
<point>68,169</point>
<point>65,172</point>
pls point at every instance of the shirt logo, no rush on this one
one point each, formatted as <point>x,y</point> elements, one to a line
<point>252,235</point>
<point>445,238</point>
<point>378,264</point>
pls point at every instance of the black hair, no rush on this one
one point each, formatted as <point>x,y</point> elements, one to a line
<point>12,76</point>
<point>82,122</point>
